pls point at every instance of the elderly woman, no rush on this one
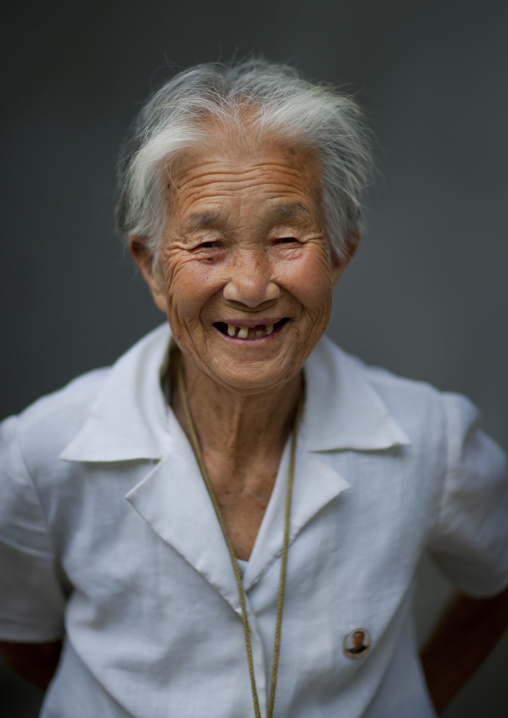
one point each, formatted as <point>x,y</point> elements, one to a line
<point>227,522</point>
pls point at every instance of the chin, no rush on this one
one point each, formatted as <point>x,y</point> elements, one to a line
<point>253,381</point>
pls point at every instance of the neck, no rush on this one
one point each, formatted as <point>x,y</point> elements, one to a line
<point>238,427</point>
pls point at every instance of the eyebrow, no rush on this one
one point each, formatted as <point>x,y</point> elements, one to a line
<point>295,211</point>
<point>205,220</point>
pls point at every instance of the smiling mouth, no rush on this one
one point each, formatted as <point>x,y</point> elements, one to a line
<point>257,332</point>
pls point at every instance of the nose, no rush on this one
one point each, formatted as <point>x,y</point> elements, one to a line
<point>250,280</point>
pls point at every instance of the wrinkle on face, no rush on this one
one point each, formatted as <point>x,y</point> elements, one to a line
<point>245,237</point>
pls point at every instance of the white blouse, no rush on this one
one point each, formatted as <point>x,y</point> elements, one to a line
<point>108,537</point>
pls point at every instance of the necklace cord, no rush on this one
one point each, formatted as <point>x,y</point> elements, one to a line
<point>285,543</point>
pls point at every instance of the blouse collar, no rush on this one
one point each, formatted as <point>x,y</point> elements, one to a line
<point>130,418</point>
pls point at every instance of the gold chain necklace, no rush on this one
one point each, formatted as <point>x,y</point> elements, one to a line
<point>285,543</point>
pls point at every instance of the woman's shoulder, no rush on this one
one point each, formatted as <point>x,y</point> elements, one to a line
<point>415,404</point>
<point>45,427</point>
<point>380,378</point>
<point>52,421</point>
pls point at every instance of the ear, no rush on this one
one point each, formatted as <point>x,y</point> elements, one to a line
<point>152,273</point>
<point>339,264</point>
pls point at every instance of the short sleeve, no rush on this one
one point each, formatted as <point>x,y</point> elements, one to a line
<point>32,598</point>
<point>471,541</point>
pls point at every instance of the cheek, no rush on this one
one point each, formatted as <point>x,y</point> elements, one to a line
<point>311,281</point>
<point>190,284</point>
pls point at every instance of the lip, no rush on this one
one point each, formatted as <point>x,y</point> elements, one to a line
<point>251,325</point>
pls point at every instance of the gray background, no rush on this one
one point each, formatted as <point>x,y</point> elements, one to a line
<point>426,295</point>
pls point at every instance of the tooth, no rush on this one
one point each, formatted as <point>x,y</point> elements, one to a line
<point>269,329</point>
<point>231,330</point>
<point>259,332</point>
<point>243,333</point>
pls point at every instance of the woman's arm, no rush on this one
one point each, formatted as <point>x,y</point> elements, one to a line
<point>467,631</point>
<point>35,662</point>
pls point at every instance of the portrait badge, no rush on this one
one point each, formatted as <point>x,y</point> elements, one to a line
<point>357,643</point>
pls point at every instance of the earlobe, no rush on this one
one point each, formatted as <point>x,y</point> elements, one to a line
<point>141,255</point>
<point>340,263</point>
<point>151,272</point>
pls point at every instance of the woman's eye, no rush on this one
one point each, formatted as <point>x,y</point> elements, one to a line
<point>207,245</point>
<point>286,240</point>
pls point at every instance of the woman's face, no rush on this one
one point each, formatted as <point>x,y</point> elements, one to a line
<point>245,272</point>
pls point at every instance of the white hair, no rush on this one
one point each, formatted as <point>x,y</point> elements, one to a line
<point>279,102</point>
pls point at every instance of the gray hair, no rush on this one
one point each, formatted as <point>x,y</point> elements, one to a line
<point>279,102</point>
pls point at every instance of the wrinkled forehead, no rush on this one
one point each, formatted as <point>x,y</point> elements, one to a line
<point>267,185</point>
<point>242,164</point>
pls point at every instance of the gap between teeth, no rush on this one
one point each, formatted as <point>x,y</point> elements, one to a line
<point>246,333</point>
